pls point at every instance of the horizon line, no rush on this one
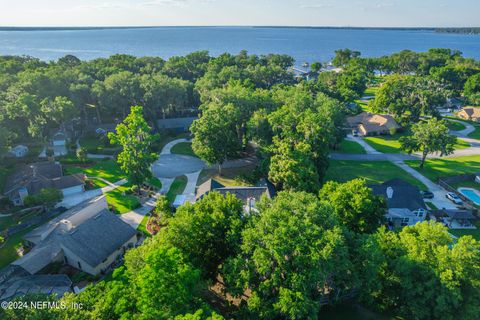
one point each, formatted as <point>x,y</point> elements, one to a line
<point>3,28</point>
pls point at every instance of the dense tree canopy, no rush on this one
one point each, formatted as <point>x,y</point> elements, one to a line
<point>355,205</point>
<point>135,137</point>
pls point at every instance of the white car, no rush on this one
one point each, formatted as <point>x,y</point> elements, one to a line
<point>454,198</point>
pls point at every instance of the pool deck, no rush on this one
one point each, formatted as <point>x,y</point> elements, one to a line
<point>476,198</point>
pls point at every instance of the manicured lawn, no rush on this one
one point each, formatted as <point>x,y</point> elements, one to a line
<point>363,105</point>
<point>183,148</point>
<point>155,182</point>
<point>436,168</point>
<point>391,144</point>
<point>143,226</point>
<point>385,144</point>
<point>467,232</point>
<point>347,146</point>
<point>176,188</point>
<point>8,253</point>
<point>372,171</point>
<point>106,169</point>
<point>461,144</point>
<point>475,134</point>
<point>166,137</point>
<point>97,145</point>
<point>230,176</point>
<point>121,201</point>
<point>455,126</point>
<point>371,91</point>
<point>93,183</point>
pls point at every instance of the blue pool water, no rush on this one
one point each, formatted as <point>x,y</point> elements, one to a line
<point>471,194</point>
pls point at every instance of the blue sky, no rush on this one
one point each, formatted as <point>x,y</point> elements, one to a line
<point>244,12</point>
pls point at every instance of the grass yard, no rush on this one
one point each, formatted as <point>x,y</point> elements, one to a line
<point>99,145</point>
<point>106,169</point>
<point>166,137</point>
<point>391,144</point>
<point>455,126</point>
<point>436,168</point>
<point>372,171</point>
<point>461,144</point>
<point>230,177</point>
<point>122,202</point>
<point>143,226</point>
<point>176,188</point>
<point>184,148</point>
<point>475,134</point>
<point>8,252</point>
<point>371,91</point>
<point>467,232</point>
<point>93,183</point>
<point>384,144</point>
<point>347,146</point>
<point>155,182</point>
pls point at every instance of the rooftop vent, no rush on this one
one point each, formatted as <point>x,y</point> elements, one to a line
<point>389,192</point>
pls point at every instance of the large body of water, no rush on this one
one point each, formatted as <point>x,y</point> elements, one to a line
<point>304,44</point>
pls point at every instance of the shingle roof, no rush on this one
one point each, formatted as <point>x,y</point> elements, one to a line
<point>404,194</point>
<point>57,284</point>
<point>472,111</point>
<point>459,214</point>
<point>97,238</point>
<point>208,186</point>
<point>242,193</point>
<point>41,175</point>
<point>373,122</point>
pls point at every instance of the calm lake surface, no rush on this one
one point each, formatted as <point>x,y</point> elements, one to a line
<point>304,44</point>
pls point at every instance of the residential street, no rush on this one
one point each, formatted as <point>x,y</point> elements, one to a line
<point>440,201</point>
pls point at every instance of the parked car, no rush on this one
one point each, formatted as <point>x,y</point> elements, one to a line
<point>427,194</point>
<point>355,133</point>
<point>454,198</point>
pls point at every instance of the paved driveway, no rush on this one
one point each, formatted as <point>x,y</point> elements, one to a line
<point>174,165</point>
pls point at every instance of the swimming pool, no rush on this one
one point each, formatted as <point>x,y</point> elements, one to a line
<point>471,194</point>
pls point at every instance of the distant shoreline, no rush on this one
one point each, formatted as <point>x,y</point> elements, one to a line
<point>459,30</point>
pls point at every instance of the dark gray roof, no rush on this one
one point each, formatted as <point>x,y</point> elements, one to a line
<point>48,284</point>
<point>41,175</point>
<point>459,214</point>
<point>405,195</point>
<point>208,186</point>
<point>242,193</point>
<point>68,181</point>
<point>97,238</point>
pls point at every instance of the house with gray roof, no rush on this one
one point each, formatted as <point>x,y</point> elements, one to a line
<point>404,202</point>
<point>88,237</point>
<point>249,195</point>
<point>30,179</point>
<point>57,284</point>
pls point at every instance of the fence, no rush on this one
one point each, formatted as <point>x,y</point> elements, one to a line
<point>445,182</point>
